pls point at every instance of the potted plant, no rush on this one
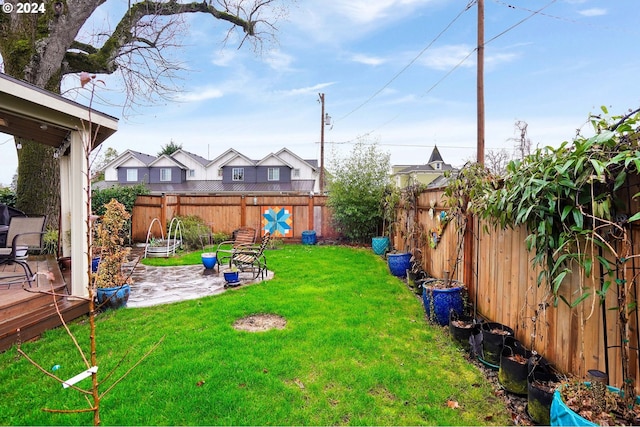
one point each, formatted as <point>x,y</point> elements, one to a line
<point>415,273</point>
<point>390,199</point>
<point>111,284</point>
<point>231,276</point>
<point>463,330</point>
<point>576,402</point>
<point>440,297</point>
<point>542,381</point>
<point>412,234</point>
<point>513,370</point>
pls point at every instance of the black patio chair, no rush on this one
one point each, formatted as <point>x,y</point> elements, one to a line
<point>25,234</point>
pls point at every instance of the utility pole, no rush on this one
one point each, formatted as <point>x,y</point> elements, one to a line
<point>321,95</point>
<point>480,82</point>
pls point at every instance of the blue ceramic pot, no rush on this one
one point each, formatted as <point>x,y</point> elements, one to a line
<point>380,245</point>
<point>113,297</point>
<point>441,301</point>
<point>231,276</point>
<point>309,237</point>
<point>399,263</point>
<point>209,260</point>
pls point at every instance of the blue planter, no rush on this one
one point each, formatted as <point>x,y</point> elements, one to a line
<point>441,301</point>
<point>309,237</point>
<point>399,263</point>
<point>231,276</point>
<point>380,245</point>
<point>209,260</point>
<point>113,297</point>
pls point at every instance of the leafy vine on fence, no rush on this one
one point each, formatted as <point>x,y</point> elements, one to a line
<point>572,201</point>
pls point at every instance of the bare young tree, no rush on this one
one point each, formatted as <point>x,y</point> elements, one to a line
<point>42,48</point>
<point>523,142</point>
<point>497,160</point>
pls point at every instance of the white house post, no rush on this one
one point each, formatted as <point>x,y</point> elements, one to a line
<point>65,205</point>
<point>78,218</point>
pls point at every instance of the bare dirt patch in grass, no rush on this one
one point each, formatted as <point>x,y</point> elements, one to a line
<point>260,322</point>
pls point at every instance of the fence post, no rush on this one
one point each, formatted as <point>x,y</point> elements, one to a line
<point>163,212</point>
<point>310,213</point>
<point>243,211</point>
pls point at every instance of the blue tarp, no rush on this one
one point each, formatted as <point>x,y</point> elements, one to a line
<point>562,415</point>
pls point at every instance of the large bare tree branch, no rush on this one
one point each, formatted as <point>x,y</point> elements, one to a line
<point>104,59</point>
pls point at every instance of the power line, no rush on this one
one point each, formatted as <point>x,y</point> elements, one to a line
<point>447,74</point>
<point>408,65</point>
<point>533,13</point>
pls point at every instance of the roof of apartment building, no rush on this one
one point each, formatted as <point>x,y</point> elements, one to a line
<point>213,187</point>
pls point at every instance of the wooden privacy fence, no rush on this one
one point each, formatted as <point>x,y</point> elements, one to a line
<point>502,281</point>
<point>227,213</point>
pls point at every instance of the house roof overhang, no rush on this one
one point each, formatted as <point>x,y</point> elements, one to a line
<point>39,115</point>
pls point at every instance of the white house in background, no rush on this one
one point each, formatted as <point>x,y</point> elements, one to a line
<point>232,172</point>
<point>430,173</point>
<point>196,165</point>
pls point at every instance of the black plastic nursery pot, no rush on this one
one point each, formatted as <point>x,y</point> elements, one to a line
<point>461,328</point>
<point>513,371</point>
<point>493,335</point>
<point>541,383</point>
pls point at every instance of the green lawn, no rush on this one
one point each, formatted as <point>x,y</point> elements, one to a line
<point>356,350</point>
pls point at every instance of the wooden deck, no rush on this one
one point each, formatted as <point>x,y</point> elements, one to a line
<point>27,312</point>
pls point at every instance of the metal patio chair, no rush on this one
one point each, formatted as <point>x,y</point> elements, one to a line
<point>244,237</point>
<point>253,259</point>
<point>24,234</point>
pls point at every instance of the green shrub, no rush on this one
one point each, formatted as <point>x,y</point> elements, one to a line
<point>125,195</point>
<point>193,227</point>
<point>220,237</point>
<point>357,192</point>
<point>7,196</point>
<point>50,242</point>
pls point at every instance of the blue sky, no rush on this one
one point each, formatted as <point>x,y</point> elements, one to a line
<point>393,72</point>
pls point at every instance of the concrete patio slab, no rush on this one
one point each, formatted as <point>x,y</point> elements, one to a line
<point>164,285</point>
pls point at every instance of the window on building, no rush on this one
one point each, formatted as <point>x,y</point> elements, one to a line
<point>273,174</point>
<point>296,173</point>
<point>220,172</point>
<point>165,174</point>
<point>237,174</point>
<point>192,173</point>
<point>132,175</point>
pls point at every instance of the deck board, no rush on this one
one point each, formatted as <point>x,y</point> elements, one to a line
<point>32,310</point>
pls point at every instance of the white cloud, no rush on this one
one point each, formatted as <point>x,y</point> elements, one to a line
<point>305,90</point>
<point>201,94</point>
<point>337,21</point>
<point>225,58</point>
<point>279,60</point>
<point>366,11</point>
<point>593,12</point>
<point>368,60</point>
<point>446,57</point>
